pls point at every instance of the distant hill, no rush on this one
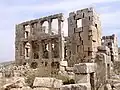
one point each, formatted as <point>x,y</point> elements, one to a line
<point>7,63</point>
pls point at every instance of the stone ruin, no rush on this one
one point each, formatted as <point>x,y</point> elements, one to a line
<point>41,46</point>
<point>83,55</point>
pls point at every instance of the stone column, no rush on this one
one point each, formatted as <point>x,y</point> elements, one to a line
<point>31,31</point>
<point>61,41</point>
<point>18,43</point>
<point>103,61</point>
<point>50,50</point>
<point>59,26</point>
<point>31,53</point>
<point>50,26</point>
<point>50,44</point>
<point>50,56</point>
<point>21,53</point>
<point>39,26</point>
<point>23,49</point>
<point>18,52</point>
<point>40,50</point>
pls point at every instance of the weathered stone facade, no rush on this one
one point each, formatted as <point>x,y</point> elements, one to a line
<point>82,55</point>
<point>33,44</point>
<point>112,43</point>
<point>39,46</point>
<point>84,33</point>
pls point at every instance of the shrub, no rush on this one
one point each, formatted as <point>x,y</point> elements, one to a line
<point>69,81</point>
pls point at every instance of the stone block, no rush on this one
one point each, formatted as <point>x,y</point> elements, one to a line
<point>62,68</point>
<point>82,78</point>
<point>15,82</point>
<point>63,63</point>
<point>57,83</point>
<point>103,48</point>
<point>15,89</point>
<point>70,69</point>
<point>84,68</point>
<point>26,88</point>
<point>47,82</point>
<point>23,88</point>
<point>82,86</point>
<point>41,89</point>
<point>1,75</point>
<point>107,87</point>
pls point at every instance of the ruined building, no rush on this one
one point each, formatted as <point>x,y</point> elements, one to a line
<point>84,54</point>
<point>84,35</point>
<point>37,46</point>
<point>112,43</point>
<point>42,46</point>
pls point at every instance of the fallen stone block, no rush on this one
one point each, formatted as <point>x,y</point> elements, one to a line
<point>16,82</point>
<point>41,89</point>
<point>23,88</point>
<point>15,89</point>
<point>47,82</point>
<point>82,86</point>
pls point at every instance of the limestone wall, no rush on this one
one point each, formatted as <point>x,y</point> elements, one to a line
<point>83,38</point>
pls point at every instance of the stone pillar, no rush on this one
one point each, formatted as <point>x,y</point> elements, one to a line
<point>83,73</point>
<point>103,63</point>
<point>31,31</point>
<point>40,50</point>
<point>50,55</point>
<point>61,41</point>
<point>59,26</point>
<point>21,54</point>
<point>23,50</point>
<point>50,50</point>
<point>49,27</point>
<point>17,52</point>
<point>19,43</point>
<point>39,27</point>
<point>31,53</point>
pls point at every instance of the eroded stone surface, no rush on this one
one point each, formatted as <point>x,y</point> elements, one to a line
<point>47,82</point>
<point>76,87</point>
<point>82,78</point>
<point>84,68</point>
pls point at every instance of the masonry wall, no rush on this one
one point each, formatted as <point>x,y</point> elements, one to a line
<point>84,32</point>
<point>38,46</point>
<point>112,43</point>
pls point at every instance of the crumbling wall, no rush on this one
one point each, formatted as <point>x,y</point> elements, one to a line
<point>112,43</point>
<point>38,44</point>
<point>117,67</point>
<point>84,77</point>
<point>103,61</point>
<point>84,32</point>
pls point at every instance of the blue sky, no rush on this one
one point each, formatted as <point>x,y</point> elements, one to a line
<point>15,11</point>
